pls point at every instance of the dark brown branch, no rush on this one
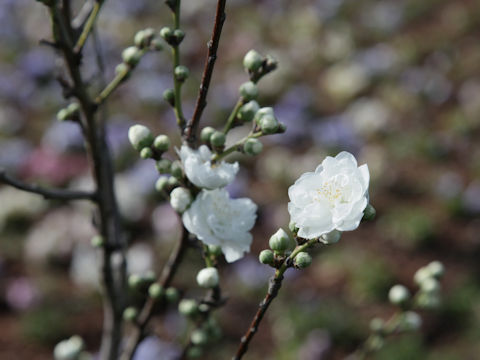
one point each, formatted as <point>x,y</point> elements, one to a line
<point>190,132</point>
<point>57,194</point>
<point>147,311</point>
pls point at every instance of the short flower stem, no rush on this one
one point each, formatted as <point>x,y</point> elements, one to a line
<point>177,85</point>
<point>274,285</point>
<point>233,115</point>
<point>235,147</point>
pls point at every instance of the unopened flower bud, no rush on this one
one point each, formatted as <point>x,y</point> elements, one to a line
<point>134,281</point>
<point>161,143</point>
<point>253,146</point>
<point>292,226</point>
<point>167,34</point>
<point>179,35</point>
<point>131,55</point>
<point>269,124</point>
<point>146,153</point>
<point>303,260</point>
<point>130,313</point>
<point>69,349</point>
<point>73,109</point>
<point>421,275</point>
<point>169,96</point>
<point>436,269</point>
<point>188,307</point>
<point>261,113</point>
<point>398,295</point>
<point>155,291</point>
<point>173,181</point>
<point>172,294</point>
<point>181,73</point>
<point>199,337</point>
<point>215,250</point>
<point>176,169</point>
<point>97,241</point>
<point>163,166</point>
<point>161,184</point>
<point>208,277</point>
<point>63,114</point>
<point>330,238</point>
<point>266,257</point>
<point>180,199</point>
<point>217,139</point>
<point>252,61</point>
<point>247,112</point>
<point>143,38</point>
<point>430,285</point>
<point>206,133</point>
<point>280,241</point>
<point>249,91</point>
<point>410,321</point>
<point>140,137</point>
<point>369,213</point>
<point>156,44</point>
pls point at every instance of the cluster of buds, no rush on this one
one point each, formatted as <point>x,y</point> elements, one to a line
<point>213,138</point>
<point>257,65</point>
<point>143,141</point>
<point>428,280</point>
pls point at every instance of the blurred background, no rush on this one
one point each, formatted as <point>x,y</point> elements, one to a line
<point>395,82</point>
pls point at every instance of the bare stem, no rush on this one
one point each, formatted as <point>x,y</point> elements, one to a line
<point>88,26</point>
<point>190,133</point>
<point>177,84</point>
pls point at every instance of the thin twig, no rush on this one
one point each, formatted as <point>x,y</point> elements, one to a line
<point>192,125</point>
<point>88,26</point>
<point>146,313</point>
<point>57,194</point>
<point>177,84</point>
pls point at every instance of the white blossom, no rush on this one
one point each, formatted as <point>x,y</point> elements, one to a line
<point>200,171</point>
<point>331,198</point>
<point>216,219</point>
<point>208,277</point>
<point>180,198</point>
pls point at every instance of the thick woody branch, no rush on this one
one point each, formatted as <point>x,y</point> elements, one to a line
<point>192,125</point>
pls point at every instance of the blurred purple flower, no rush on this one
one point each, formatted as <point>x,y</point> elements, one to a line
<point>152,348</point>
<point>316,347</point>
<point>38,63</point>
<point>377,59</point>
<point>62,136</point>
<point>21,293</point>
<point>471,197</point>
<point>327,8</point>
<point>334,131</point>
<point>250,272</point>
<point>142,176</point>
<point>116,133</point>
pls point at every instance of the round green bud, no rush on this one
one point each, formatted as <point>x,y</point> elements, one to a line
<point>331,238</point>
<point>163,166</point>
<point>249,91</point>
<point>155,291</point>
<point>156,44</point>
<point>161,184</point>
<point>303,260</point>
<point>176,169</point>
<point>146,153</point>
<point>173,182</point>
<point>166,33</point>
<point>261,113</point>
<point>181,73</point>
<point>208,277</point>
<point>199,337</point>
<point>436,269</point>
<point>73,109</point>
<point>377,324</point>
<point>203,308</point>
<point>179,35</point>
<point>169,96</point>
<point>247,112</point>
<point>63,114</point>
<point>140,137</point>
<point>143,38</point>
<point>252,147</point>
<point>188,307</point>
<point>399,295</point>
<point>134,281</point>
<point>293,227</point>
<point>130,313</point>
<point>131,55</point>
<point>97,241</point>
<point>122,68</point>
<point>194,352</point>
<point>215,250</point>
<point>410,321</point>
<point>369,213</point>
<point>252,61</point>
<point>161,143</point>
<point>280,241</point>
<point>421,275</point>
<point>206,133</point>
<point>217,139</point>
<point>430,285</point>
<point>269,124</point>
<point>266,257</point>
<point>149,277</point>
<point>172,294</point>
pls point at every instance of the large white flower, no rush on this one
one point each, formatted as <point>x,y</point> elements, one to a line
<point>216,219</point>
<point>331,198</point>
<point>200,171</point>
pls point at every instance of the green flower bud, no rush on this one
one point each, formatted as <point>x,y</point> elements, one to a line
<point>430,285</point>
<point>173,182</point>
<point>436,269</point>
<point>252,61</point>
<point>156,44</point>
<point>280,241</point>
<point>331,238</point>
<point>161,143</point>
<point>156,291</point>
<point>215,250</point>
<point>73,109</point>
<point>169,96</point>
<point>421,275</point>
<point>369,213</point>
<point>399,295</point>
<point>167,34</point>
<point>199,337</point>
<point>161,184</point>
<point>179,35</point>
<point>269,124</point>
<point>180,199</point>
<point>266,257</point>
<point>130,313</point>
<point>63,114</point>
<point>172,294</point>
<point>410,321</point>
<point>176,169</point>
<point>194,352</point>
<point>146,153</point>
<point>208,277</point>
<point>188,307</point>
<point>252,146</point>
<point>249,91</point>
<point>181,73</point>
<point>247,112</point>
<point>163,166</point>
<point>217,139</point>
<point>131,55</point>
<point>140,137</point>
<point>261,113</point>
<point>143,38</point>
<point>206,133</point>
<point>134,281</point>
<point>303,260</point>
<point>292,226</point>
<point>97,241</point>
<point>377,324</point>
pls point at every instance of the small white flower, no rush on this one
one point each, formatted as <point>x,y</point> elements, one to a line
<point>180,198</point>
<point>331,198</point>
<point>208,277</point>
<point>216,219</point>
<point>68,349</point>
<point>200,171</point>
